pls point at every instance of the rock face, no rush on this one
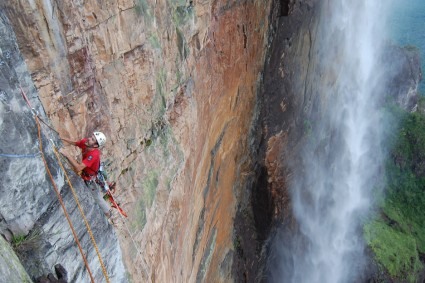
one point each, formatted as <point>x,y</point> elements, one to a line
<point>200,159</point>
<point>10,267</point>
<point>29,206</point>
<point>173,84</point>
<point>403,65</point>
<point>288,97</point>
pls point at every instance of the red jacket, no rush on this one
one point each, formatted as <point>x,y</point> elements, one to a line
<point>91,158</point>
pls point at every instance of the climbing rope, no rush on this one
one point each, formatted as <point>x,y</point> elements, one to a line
<point>38,119</point>
<point>82,213</point>
<point>47,125</point>
<point>35,113</point>
<point>57,190</point>
<point>61,201</point>
<point>134,243</point>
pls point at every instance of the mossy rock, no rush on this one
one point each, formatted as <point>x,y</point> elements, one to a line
<point>394,250</point>
<point>397,234</point>
<point>11,269</point>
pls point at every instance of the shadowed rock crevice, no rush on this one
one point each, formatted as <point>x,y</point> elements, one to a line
<point>206,258</point>
<point>199,233</point>
<point>253,224</point>
<point>262,204</point>
<point>284,7</point>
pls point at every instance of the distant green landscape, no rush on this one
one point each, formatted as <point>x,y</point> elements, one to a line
<point>396,234</point>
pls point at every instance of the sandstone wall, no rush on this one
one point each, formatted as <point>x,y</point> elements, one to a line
<point>173,85</point>
<point>30,214</point>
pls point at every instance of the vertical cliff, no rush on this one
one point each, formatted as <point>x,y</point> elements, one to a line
<point>173,84</point>
<point>31,217</point>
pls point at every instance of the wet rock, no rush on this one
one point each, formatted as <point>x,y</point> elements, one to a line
<point>403,65</point>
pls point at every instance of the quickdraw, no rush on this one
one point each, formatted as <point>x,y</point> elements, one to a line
<point>108,196</point>
<point>109,189</point>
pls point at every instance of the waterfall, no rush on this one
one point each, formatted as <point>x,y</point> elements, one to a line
<point>332,186</point>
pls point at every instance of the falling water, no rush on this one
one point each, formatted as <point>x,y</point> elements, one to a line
<point>332,188</point>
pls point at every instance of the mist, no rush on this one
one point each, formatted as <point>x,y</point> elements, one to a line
<point>333,183</point>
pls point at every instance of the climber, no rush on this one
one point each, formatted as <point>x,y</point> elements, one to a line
<point>89,165</point>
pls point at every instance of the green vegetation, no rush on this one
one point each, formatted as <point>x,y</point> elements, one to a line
<point>179,74</point>
<point>128,276</point>
<point>154,41</point>
<point>123,171</point>
<point>146,142</point>
<point>143,9</point>
<point>397,235</point>
<point>181,45</point>
<point>181,13</point>
<point>237,246</point>
<point>160,148</point>
<point>139,216</point>
<point>308,127</point>
<point>149,187</point>
<point>395,250</point>
<point>24,244</point>
<point>17,241</point>
<point>159,105</point>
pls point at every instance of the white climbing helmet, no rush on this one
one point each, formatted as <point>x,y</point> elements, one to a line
<point>100,138</point>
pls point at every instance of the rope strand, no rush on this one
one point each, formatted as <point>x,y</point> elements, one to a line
<point>61,202</point>
<point>82,214</point>
<point>55,188</point>
<point>38,119</point>
<point>47,125</point>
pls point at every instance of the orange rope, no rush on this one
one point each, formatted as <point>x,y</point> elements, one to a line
<point>83,215</point>
<point>37,119</point>
<point>60,200</point>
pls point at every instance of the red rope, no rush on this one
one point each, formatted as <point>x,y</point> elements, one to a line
<point>25,98</point>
